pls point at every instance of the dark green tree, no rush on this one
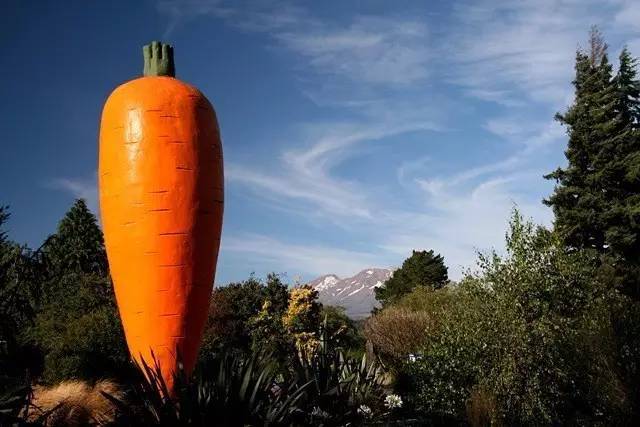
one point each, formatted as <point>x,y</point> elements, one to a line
<point>18,300</point>
<point>422,268</point>
<point>16,304</point>
<point>230,309</point>
<point>78,243</point>
<point>342,329</point>
<point>277,293</point>
<point>597,197</point>
<point>77,324</point>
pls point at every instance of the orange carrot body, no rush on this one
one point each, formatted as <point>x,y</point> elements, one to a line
<point>161,203</point>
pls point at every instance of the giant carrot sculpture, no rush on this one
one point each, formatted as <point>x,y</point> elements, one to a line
<point>161,201</point>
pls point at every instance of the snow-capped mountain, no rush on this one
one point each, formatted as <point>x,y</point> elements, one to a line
<point>356,294</point>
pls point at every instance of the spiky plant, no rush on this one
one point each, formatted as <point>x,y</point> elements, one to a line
<point>230,390</point>
<point>14,407</point>
<point>339,385</point>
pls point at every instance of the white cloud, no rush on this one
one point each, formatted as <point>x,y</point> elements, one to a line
<point>462,221</point>
<point>305,173</point>
<point>370,49</point>
<point>380,73</point>
<point>512,52</point>
<point>629,15</point>
<point>179,12</point>
<point>322,194</point>
<point>83,188</point>
<point>521,129</point>
<point>308,258</point>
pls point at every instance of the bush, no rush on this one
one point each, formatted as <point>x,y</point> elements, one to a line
<point>343,330</point>
<point>79,331</point>
<point>530,337</point>
<point>246,315</point>
<point>19,296</point>
<point>397,332</point>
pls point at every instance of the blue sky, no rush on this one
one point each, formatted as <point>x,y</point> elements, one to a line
<point>353,132</point>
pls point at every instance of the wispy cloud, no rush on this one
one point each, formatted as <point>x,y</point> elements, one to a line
<point>83,188</point>
<point>180,12</point>
<point>462,221</point>
<point>305,173</point>
<point>512,52</point>
<point>629,15</point>
<point>381,75</point>
<point>370,49</point>
<point>308,258</point>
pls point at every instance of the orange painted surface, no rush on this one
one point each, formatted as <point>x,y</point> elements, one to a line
<point>161,203</point>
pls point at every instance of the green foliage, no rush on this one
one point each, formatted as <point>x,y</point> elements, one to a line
<point>342,329</point>
<point>230,310</point>
<point>231,389</point>
<point>336,385</point>
<point>597,199</point>
<point>77,326</point>
<point>422,268</point>
<point>246,315</point>
<point>267,329</point>
<point>534,329</point>
<point>77,245</point>
<point>19,294</point>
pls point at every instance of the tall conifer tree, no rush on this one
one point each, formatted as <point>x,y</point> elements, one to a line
<point>77,325</point>
<point>597,197</point>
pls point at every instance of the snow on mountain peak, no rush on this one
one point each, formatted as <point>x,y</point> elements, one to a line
<point>324,282</point>
<point>356,294</point>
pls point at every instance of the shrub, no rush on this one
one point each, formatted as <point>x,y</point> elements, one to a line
<point>302,318</point>
<point>230,389</point>
<point>246,315</point>
<point>79,331</point>
<point>532,332</point>
<point>339,390</point>
<point>342,330</point>
<point>397,332</point>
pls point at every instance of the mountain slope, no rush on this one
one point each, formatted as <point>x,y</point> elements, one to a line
<point>356,294</point>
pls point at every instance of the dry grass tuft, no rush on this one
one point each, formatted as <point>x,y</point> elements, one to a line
<point>75,403</point>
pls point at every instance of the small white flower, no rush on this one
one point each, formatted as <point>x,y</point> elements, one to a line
<point>319,413</point>
<point>393,401</point>
<point>365,411</point>
<point>413,358</point>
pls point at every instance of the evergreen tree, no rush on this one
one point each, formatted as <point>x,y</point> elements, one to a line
<point>578,201</point>
<point>18,298</point>
<point>422,268</point>
<point>623,218</point>
<point>77,325</point>
<point>597,197</point>
<point>78,244</point>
